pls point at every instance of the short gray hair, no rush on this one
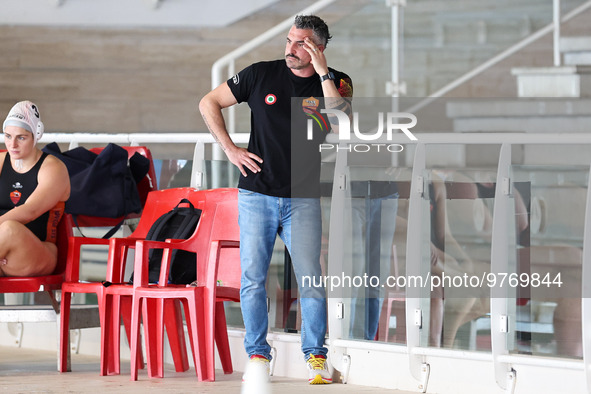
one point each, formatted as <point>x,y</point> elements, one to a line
<point>314,23</point>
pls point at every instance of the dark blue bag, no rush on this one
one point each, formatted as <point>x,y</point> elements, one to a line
<point>102,185</point>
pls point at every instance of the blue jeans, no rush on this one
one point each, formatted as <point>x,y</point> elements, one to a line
<point>298,223</point>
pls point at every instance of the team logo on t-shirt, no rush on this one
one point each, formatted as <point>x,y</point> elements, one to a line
<point>15,197</point>
<point>270,99</point>
<point>236,79</point>
<point>310,105</point>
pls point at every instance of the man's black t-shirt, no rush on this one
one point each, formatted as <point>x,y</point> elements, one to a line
<point>276,133</point>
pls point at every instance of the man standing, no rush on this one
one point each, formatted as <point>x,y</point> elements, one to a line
<point>267,201</point>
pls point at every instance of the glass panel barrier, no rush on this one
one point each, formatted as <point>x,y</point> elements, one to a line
<point>219,173</point>
<point>549,242</point>
<point>458,218</point>
<point>216,174</point>
<point>374,252</point>
<point>173,173</point>
<point>373,258</point>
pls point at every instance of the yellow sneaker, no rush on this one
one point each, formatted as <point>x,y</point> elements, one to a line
<point>318,370</point>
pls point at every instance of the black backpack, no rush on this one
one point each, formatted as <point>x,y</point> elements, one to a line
<point>179,223</point>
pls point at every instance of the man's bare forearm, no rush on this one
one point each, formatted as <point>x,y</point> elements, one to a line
<point>214,120</point>
<point>215,136</point>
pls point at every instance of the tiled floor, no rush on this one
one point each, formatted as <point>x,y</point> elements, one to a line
<point>27,371</point>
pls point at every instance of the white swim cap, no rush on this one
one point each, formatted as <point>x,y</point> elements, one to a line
<point>25,114</point>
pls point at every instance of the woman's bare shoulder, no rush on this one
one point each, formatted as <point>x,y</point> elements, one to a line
<point>54,164</point>
<point>55,172</point>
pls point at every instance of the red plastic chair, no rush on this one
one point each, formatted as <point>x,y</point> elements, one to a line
<point>48,283</point>
<point>157,203</point>
<point>216,243</point>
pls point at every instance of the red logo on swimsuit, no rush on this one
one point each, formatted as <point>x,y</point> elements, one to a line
<point>15,197</point>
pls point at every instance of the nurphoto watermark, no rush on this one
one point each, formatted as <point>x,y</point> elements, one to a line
<point>391,121</point>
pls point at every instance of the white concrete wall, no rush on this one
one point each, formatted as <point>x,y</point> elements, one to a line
<point>127,13</point>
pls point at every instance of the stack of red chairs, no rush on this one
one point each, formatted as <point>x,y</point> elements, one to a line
<point>157,204</point>
<point>72,272</point>
<point>216,243</point>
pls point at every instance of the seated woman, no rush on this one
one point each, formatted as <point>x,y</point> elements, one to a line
<point>34,187</point>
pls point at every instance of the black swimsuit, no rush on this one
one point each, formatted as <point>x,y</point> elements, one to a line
<point>16,188</point>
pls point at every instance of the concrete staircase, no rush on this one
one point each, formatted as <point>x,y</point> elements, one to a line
<point>572,79</point>
<point>557,81</point>
<point>548,99</point>
<point>576,50</point>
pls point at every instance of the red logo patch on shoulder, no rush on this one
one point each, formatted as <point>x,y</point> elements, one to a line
<point>15,197</point>
<point>346,88</point>
<point>270,99</point>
